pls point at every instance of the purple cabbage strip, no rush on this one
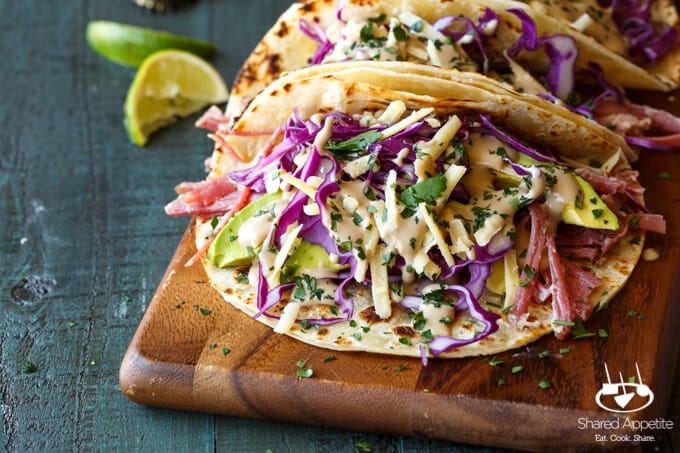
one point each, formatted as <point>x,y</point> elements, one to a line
<point>319,35</point>
<point>561,50</point>
<point>649,144</point>
<point>647,40</point>
<point>272,298</point>
<point>475,31</point>
<point>444,343</point>
<point>338,12</point>
<point>503,136</point>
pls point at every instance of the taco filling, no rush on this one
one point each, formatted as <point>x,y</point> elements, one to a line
<point>405,230</point>
<point>545,65</point>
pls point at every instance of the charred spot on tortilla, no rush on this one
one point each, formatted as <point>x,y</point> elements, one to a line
<point>274,64</point>
<point>283,30</point>
<point>404,331</point>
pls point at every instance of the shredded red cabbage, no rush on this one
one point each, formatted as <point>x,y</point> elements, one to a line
<point>648,41</point>
<point>443,343</point>
<point>489,128</point>
<point>561,50</point>
<point>476,31</point>
<point>319,35</point>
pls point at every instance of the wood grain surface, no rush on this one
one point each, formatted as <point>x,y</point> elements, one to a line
<point>84,242</point>
<point>193,351</point>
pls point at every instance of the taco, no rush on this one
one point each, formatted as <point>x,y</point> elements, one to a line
<point>435,216</point>
<point>582,55</point>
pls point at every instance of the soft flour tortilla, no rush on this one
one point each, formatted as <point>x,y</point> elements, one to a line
<point>360,85</point>
<point>285,47</point>
<point>311,93</point>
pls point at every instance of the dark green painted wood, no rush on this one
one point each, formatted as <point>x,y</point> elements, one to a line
<point>82,220</point>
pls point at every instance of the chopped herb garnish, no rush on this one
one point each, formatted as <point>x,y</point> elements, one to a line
<point>225,350</point>
<point>495,362</point>
<point>330,358</point>
<point>405,340</point>
<point>251,252</point>
<point>29,368</point>
<point>565,350</point>
<point>544,384</point>
<point>501,382</point>
<point>579,331</point>
<point>516,369</point>
<point>665,175</point>
<point>425,191</point>
<point>363,447</point>
<point>359,142</point>
<point>399,33</point>
<point>562,322</point>
<point>544,354</point>
<point>597,213</point>
<point>242,278</point>
<point>602,333</point>
<point>205,311</point>
<point>303,372</point>
<point>401,367</point>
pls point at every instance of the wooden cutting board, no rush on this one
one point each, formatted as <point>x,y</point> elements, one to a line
<point>193,351</point>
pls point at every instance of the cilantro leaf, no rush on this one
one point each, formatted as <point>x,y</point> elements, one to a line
<point>425,191</point>
<point>354,144</point>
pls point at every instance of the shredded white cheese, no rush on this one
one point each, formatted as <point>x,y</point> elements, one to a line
<point>436,233</point>
<point>413,118</point>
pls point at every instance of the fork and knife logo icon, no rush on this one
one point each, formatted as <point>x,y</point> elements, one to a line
<point>617,396</point>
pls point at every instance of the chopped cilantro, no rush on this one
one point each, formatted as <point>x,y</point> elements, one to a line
<point>29,368</point>
<point>330,358</point>
<point>356,143</point>
<point>399,33</point>
<point>544,384</point>
<point>303,372</point>
<point>424,191</point>
<point>495,362</point>
<point>516,369</point>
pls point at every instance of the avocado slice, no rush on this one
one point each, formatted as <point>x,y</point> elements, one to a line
<point>226,250</point>
<point>592,212</point>
<point>308,256</point>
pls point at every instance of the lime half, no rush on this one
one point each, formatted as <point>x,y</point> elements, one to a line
<point>170,84</point>
<point>130,45</point>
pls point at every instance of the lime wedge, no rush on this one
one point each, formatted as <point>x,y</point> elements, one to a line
<point>169,84</point>
<point>130,45</point>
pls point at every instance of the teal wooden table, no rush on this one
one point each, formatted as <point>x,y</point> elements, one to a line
<point>84,240</point>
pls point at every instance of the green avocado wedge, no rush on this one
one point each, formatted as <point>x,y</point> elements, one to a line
<point>308,256</point>
<point>226,250</point>
<point>588,210</point>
